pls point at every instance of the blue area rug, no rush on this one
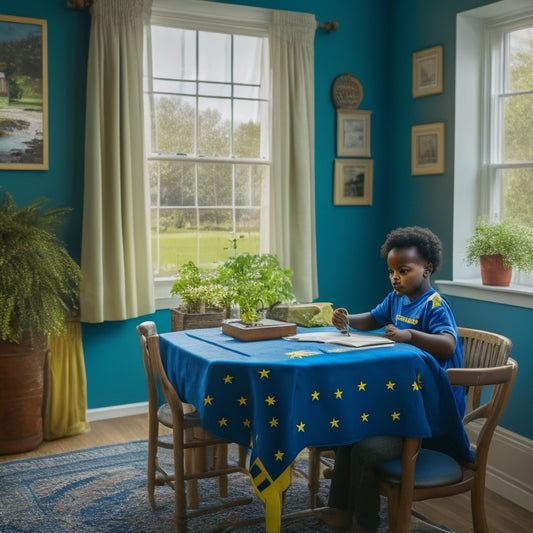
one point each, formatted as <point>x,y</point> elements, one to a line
<point>103,490</point>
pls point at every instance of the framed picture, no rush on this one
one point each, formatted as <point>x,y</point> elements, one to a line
<point>352,182</point>
<point>427,72</point>
<point>23,93</point>
<point>427,149</point>
<point>353,133</point>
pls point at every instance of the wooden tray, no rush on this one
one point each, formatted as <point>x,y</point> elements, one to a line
<point>267,329</point>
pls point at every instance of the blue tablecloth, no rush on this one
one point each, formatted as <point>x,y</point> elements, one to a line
<point>285,395</point>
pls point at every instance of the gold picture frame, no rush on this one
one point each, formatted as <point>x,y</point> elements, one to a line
<point>23,93</point>
<point>427,149</point>
<point>427,72</point>
<point>352,182</point>
<point>353,133</point>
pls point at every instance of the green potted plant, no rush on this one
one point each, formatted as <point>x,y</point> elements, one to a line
<point>39,289</point>
<point>255,282</point>
<point>500,247</point>
<point>203,298</point>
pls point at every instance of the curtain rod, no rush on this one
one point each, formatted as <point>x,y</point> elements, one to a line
<point>330,25</point>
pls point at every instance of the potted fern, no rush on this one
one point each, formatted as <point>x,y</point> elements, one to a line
<point>39,289</point>
<point>500,247</point>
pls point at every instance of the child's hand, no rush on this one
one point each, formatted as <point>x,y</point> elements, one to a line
<point>340,318</point>
<point>397,335</point>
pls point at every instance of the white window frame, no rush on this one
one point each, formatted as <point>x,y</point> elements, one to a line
<point>206,16</point>
<point>472,149</point>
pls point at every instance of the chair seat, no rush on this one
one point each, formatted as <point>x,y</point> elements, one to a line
<point>164,415</point>
<point>432,468</point>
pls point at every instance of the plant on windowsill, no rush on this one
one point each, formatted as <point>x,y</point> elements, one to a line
<point>204,299</point>
<point>500,247</point>
<point>39,290</point>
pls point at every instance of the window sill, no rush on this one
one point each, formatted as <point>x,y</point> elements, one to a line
<point>516,295</point>
<point>163,298</point>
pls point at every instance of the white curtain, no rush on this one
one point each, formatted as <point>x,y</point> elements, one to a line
<point>292,220</point>
<point>116,260</point>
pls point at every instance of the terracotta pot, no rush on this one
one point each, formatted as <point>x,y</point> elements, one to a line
<point>493,271</point>
<point>21,394</point>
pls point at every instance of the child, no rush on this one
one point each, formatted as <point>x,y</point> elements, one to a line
<point>413,313</point>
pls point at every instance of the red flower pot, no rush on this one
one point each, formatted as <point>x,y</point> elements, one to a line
<point>493,272</point>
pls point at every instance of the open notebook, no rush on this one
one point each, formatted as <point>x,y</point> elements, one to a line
<point>356,340</point>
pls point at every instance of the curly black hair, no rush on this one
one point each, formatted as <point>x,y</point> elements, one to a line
<point>428,245</point>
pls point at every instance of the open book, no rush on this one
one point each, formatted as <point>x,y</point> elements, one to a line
<point>356,340</point>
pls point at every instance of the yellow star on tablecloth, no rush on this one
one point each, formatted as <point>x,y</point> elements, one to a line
<point>415,386</point>
<point>242,400</point>
<point>223,422</point>
<point>263,373</point>
<point>228,379</point>
<point>273,422</point>
<point>315,395</point>
<point>334,422</point>
<point>301,427</point>
<point>270,400</point>
<point>246,423</point>
<point>361,386</point>
<point>395,416</point>
<point>364,417</point>
<point>390,385</point>
<point>300,353</point>
<point>208,400</point>
<point>338,394</point>
<point>279,455</point>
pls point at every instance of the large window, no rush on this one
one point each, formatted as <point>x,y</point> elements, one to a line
<point>208,143</point>
<point>510,140</point>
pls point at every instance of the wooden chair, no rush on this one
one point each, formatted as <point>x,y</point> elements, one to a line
<point>188,440</point>
<point>424,474</point>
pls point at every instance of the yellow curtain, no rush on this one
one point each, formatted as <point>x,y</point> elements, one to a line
<point>65,402</point>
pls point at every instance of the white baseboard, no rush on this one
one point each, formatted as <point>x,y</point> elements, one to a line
<point>510,465</point>
<point>509,472</point>
<point>116,411</point>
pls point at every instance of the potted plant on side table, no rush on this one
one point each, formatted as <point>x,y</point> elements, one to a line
<point>39,290</point>
<point>500,247</point>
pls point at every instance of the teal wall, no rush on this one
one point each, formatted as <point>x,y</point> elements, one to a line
<point>374,42</point>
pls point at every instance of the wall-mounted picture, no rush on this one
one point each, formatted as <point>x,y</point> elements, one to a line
<point>427,149</point>
<point>23,94</point>
<point>427,72</point>
<point>353,133</point>
<point>352,182</point>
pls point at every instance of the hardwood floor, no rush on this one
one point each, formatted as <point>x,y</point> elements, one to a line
<point>503,516</point>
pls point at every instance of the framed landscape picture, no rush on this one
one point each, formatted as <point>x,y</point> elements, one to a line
<point>23,93</point>
<point>353,133</point>
<point>352,182</point>
<point>427,149</point>
<point>427,72</point>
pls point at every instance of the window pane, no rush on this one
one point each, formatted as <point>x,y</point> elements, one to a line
<point>517,186</point>
<point>248,223</point>
<point>518,128</point>
<point>248,184</point>
<point>173,53</point>
<point>247,129</point>
<point>247,57</point>
<point>176,183</point>
<point>174,87</point>
<point>214,89</point>
<point>214,56</point>
<point>521,60</point>
<point>214,127</point>
<point>173,125</point>
<point>214,185</point>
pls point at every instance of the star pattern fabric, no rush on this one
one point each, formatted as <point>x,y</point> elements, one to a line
<point>258,393</point>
